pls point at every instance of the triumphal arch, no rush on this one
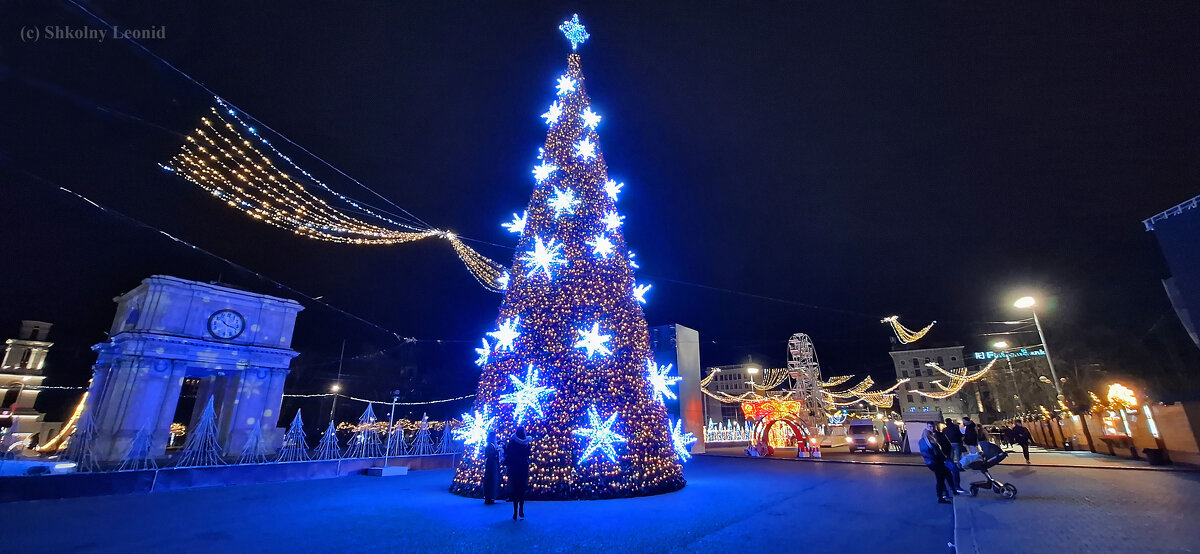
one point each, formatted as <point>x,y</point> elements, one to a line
<point>236,343</point>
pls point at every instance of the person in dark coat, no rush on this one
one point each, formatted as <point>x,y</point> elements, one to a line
<point>935,460</point>
<point>955,474</point>
<point>516,462</point>
<point>954,434</point>
<point>1021,436</point>
<point>970,435</point>
<point>491,468</point>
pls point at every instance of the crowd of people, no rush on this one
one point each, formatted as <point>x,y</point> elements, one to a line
<point>944,445</point>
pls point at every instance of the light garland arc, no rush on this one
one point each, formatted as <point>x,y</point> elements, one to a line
<point>904,334</point>
<point>221,159</point>
<point>816,395</point>
<point>957,380</point>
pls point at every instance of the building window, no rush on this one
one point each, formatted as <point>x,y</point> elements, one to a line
<point>920,385</point>
<point>923,401</point>
<point>910,399</point>
<point>901,363</point>
<point>905,372</point>
<point>912,408</point>
<point>916,363</point>
<point>940,362</point>
<point>953,358</point>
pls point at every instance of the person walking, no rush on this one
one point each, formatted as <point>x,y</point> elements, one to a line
<point>1021,436</point>
<point>516,461</point>
<point>944,444</point>
<point>970,436</point>
<point>954,434</point>
<point>935,460</point>
<point>491,468</point>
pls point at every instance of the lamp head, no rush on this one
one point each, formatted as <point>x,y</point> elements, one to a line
<point>1024,302</point>
<point>1000,344</point>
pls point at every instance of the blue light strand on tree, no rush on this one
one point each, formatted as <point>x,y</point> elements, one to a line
<point>582,328</point>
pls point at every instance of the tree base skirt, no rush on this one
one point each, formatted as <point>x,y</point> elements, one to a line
<point>477,492</point>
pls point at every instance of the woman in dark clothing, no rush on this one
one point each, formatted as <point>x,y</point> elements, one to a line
<point>935,460</point>
<point>516,461</point>
<point>491,468</point>
<point>951,465</point>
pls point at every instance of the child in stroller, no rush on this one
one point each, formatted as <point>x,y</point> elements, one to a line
<point>989,456</point>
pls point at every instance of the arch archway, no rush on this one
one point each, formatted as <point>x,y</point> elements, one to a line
<point>765,436</point>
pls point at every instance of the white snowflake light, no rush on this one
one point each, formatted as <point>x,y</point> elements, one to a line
<point>681,441</point>
<point>541,172</point>
<point>484,354</point>
<point>544,257</point>
<point>475,428</point>
<point>593,341</point>
<point>633,263</point>
<point>563,202</point>
<point>585,149</point>
<point>517,225</point>
<point>551,116</point>
<point>601,246</point>
<point>612,221</point>
<point>661,381</point>
<point>506,334</point>
<point>566,85</point>
<point>600,435</point>
<point>639,292</point>
<point>575,32</point>
<point>526,395</point>
<point>590,118</point>
<point>612,188</point>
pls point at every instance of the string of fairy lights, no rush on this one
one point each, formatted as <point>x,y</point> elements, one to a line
<point>221,158</point>
<point>904,334</point>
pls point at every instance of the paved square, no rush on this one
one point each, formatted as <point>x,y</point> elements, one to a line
<point>730,504</point>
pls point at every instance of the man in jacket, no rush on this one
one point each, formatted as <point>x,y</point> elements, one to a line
<point>935,460</point>
<point>1022,437</point>
<point>970,435</point>
<point>954,435</point>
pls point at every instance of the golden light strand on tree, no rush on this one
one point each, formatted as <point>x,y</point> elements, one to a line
<point>906,335</point>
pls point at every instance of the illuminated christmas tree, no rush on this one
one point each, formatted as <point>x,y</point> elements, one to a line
<point>569,357</point>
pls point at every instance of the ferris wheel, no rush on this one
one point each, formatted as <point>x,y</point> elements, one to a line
<point>805,370</point>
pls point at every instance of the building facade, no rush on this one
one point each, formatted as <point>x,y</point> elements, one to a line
<point>21,376</point>
<point>910,364</point>
<point>733,380</point>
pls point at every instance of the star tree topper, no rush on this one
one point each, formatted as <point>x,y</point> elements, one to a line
<point>527,395</point>
<point>600,435</point>
<point>574,31</point>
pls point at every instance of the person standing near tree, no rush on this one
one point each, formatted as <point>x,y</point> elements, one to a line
<point>954,435</point>
<point>1021,436</point>
<point>970,435</point>
<point>491,469</point>
<point>516,461</point>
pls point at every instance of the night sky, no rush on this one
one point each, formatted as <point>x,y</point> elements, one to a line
<point>934,161</point>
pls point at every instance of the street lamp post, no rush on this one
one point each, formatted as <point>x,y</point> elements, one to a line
<point>1028,302</point>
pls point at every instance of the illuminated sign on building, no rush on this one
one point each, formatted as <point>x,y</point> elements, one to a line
<point>1022,353</point>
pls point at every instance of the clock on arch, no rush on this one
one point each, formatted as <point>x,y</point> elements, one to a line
<point>226,324</point>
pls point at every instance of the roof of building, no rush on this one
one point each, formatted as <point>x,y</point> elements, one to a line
<point>1176,210</point>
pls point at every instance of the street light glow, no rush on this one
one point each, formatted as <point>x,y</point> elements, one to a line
<point>752,370</point>
<point>1024,302</point>
<point>336,387</point>
<point>1000,344</point>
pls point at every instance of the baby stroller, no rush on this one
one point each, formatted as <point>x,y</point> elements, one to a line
<point>989,455</point>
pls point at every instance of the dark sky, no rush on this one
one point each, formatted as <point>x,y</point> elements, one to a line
<point>934,161</point>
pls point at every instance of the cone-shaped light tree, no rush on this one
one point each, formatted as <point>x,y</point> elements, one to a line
<point>568,358</point>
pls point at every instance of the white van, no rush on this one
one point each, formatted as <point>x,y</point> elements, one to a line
<point>864,435</point>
